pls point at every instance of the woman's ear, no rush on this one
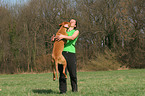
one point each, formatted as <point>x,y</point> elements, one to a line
<point>75,26</point>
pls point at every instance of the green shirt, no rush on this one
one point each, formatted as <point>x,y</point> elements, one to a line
<point>70,45</point>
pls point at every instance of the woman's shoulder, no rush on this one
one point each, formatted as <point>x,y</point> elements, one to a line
<point>76,30</point>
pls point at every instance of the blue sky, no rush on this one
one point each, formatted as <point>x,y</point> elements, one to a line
<point>14,1</point>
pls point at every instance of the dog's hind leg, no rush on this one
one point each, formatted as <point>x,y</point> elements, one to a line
<point>63,62</point>
<point>56,65</point>
<point>64,66</point>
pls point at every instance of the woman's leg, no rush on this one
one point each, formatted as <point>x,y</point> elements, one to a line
<point>71,66</point>
<point>62,80</point>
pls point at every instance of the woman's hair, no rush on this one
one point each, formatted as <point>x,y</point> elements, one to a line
<point>76,25</point>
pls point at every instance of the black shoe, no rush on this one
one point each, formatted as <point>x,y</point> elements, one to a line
<point>62,92</point>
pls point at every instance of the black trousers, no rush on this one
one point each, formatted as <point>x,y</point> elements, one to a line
<point>71,67</point>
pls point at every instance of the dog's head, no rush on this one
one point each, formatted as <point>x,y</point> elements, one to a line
<point>65,24</point>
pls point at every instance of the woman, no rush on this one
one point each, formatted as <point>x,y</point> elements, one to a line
<point>69,54</point>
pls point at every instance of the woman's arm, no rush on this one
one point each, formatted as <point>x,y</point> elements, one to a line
<point>75,34</point>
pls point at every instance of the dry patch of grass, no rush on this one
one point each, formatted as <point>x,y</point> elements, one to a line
<point>104,61</point>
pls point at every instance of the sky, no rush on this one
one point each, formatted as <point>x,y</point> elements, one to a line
<point>13,2</point>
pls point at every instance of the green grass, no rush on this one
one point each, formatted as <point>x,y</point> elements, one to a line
<point>99,83</point>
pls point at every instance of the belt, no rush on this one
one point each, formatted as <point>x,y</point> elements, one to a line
<point>68,52</point>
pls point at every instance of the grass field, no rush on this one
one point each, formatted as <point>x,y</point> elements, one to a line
<point>99,83</point>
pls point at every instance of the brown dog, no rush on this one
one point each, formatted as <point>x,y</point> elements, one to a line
<point>57,57</point>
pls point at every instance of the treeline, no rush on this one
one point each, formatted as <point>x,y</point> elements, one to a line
<point>114,28</point>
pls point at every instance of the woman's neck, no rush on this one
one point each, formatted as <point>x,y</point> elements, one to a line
<point>70,28</point>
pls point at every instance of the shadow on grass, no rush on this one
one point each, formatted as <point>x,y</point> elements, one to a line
<point>45,91</point>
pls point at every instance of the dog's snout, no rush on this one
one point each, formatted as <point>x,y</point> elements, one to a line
<point>65,24</point>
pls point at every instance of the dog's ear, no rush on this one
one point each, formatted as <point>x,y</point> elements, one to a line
<point>69,24</point>
<point>61,24</point>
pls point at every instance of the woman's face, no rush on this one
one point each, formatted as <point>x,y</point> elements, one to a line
<point>73,22</point>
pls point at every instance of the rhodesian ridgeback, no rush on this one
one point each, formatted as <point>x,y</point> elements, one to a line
<point>57,57</point>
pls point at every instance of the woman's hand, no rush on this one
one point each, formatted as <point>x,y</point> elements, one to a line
<point>59,37</point>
